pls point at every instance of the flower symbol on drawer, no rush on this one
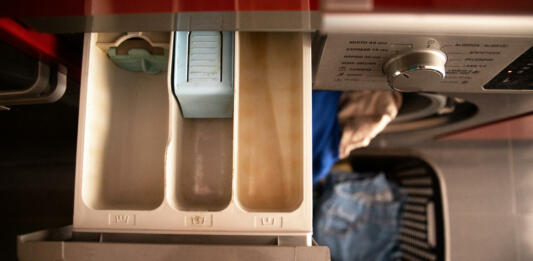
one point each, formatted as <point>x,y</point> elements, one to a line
<point>199,220</point>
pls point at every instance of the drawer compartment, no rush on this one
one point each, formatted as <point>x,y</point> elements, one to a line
<point>270,122</point>
<point>125,135</point>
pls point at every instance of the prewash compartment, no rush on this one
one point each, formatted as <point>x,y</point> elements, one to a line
<point>125,133</point>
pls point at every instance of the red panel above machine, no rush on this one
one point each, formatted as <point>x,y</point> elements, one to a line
<point>103,7</point>
<point>455,6</point>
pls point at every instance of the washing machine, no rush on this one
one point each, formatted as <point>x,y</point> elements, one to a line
<point>459,145</point>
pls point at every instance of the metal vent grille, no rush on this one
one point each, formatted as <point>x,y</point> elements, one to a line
<point>421,234</point>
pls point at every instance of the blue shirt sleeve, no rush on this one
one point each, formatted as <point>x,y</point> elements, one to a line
<point>326,132</point>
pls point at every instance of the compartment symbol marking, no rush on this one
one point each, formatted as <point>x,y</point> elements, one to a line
<point>121,220</point>
<point>268,222</point>
<point>199,220</point>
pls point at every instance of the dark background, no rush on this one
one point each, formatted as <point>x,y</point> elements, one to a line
<point>37,164</point>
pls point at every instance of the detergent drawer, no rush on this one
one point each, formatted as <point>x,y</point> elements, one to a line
<point>144,167</point>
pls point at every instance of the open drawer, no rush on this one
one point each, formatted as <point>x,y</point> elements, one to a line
<point>144,168</point>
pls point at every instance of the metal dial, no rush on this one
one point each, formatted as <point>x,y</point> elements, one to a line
<point>412,70</point>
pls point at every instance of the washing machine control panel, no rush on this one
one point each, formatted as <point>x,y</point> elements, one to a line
<point>516,76</point>
<point>418,63</point>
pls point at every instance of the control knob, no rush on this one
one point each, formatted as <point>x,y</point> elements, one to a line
<point>412,70</point>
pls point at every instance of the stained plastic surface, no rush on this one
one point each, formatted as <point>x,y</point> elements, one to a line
<point>204,165</point>
<point>270,122</point>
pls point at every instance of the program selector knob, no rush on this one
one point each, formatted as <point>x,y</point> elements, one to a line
<point>415,69</point>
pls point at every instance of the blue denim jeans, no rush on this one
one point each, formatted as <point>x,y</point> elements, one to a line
<point>358,218</point>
